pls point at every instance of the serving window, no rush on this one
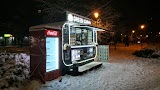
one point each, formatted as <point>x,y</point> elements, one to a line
<point>81,36</point>
<point>76,36</point>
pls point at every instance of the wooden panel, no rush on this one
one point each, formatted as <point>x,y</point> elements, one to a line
<point>37,55</point>
<point>52,75</point>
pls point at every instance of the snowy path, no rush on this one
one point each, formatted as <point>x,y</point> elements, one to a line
<point>123,72</point>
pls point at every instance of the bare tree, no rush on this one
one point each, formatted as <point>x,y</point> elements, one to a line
<point>108,15</point>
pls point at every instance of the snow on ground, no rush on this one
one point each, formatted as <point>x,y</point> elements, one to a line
<point>110,77</point>
<point>123,72</point>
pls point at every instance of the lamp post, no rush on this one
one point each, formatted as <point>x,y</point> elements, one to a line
<point>141,37</point>
<point>96,15</point>
<point>132,37</point>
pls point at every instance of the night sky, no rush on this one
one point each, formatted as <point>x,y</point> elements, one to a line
<point>15,16</point>
<point>135,12</point>
<point>138,12</point>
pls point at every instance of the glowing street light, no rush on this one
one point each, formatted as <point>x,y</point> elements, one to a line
<point>96,14</point>
<point>133,31</point>
<point>142,26</point>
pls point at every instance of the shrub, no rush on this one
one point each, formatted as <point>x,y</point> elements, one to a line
<point>146,53</point>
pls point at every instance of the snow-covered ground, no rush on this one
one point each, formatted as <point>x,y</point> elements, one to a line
<point>123,72</point>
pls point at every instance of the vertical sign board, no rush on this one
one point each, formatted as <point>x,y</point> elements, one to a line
<point>52,54</point>
<point>103,53</point>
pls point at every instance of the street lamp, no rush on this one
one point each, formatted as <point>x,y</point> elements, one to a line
<point>141,38</point>
<point>96,15</point>
<point>132,36</point>
<point>142,28</point>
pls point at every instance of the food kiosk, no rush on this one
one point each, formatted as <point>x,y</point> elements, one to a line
<point>68,46</point>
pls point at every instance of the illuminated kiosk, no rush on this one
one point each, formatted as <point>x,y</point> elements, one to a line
<point>76,46</point>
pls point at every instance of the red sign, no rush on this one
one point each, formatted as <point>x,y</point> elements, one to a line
<point>52,33</point>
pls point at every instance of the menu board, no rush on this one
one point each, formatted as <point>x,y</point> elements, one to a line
<point>90,52</point>
<point>76,54</point>
<point>52,53</point>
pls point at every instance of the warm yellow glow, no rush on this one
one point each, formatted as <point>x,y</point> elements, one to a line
<point>142,26</point>
<point>96,14</point>
<point>133,31</point>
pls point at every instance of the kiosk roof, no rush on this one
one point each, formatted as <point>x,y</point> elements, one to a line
<point>58,26</point>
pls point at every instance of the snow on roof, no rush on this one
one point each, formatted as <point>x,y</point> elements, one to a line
<point>56,25</point>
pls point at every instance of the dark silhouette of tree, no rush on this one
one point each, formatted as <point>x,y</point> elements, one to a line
<point>20,15</point>
<point>50,9</point>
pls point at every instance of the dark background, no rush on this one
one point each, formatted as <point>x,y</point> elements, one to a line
<point>18,15</point>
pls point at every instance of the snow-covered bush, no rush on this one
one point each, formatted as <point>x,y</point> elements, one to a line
<point>14,69</point>
<point>146,53</point>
